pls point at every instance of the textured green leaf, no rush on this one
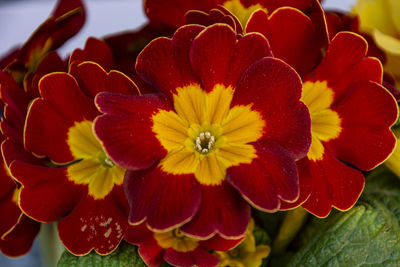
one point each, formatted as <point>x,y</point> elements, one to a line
<point>125,256</point>
<point>367,235</point>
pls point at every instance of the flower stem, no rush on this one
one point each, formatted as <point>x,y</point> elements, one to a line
<point>291,225</point>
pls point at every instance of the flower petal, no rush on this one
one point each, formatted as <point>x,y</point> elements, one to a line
<point>333,184</point>
<point>221,211</point>
<point>198,257</point>
<point>218,58</point>
<point>46,194</point>
<point>94,79</point>
<point>367,112</point>
<point>273,176</point>
<point>287,119</point>
<point>164,200</point>
<point>100,224</point>
<point>125,129</point>
<point>164,63</point>
<point>292,36</point>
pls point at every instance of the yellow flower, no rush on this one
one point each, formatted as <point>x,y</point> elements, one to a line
<point>393,163</point>
<point>380,18</point>
<point>246,254</point>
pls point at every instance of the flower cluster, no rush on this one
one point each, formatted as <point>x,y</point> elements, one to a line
<point>174,136</point>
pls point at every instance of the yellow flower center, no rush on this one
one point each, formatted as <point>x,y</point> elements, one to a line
<point>325,123</point>
<point>177,240</point>
<point>240,11</point>
<point>205,136</point>
<point>94,168</point>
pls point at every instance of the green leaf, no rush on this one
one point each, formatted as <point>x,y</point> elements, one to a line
<point>124,256</point>
<point>367,235</point>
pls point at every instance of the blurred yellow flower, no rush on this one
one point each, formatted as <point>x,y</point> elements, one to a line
<point>393,163</point>
<point>246,254</point>
<point>380,18</point>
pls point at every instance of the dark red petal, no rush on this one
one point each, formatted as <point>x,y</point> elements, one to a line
<point>219,243</point>
<point>215,15</point>
<point>126,129</point>
<point>19,241</point>
<point>100,224</point>
<point>126,45</point>
<point>94,79</point>
<point>9,211</point>
<point>198,257</point>
<point>152,255</point>
<point>345,64</point>
<point>139,234</point>
<point>95,50</point>
<point>305,186</point>
<point>218,58</point>
<point>367,113</point>
<point>46,133</point>
<point>46,193</point>
<point>15,151</point>
<point>268,179</point>
<point>164,63</point>
<point>292,36</point>
<point>164,200</point>
<point>274,89</point>
<point>222,211</point>
<point>58,88</point>
<point>333,185</point>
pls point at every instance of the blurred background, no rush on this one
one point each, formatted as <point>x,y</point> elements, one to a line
<point>19,18</point>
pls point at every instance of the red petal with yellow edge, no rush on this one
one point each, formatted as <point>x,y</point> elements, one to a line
<point>57,88</point>
<point>139,234</point>
<point>222,211</point>
<point>49,119</point>
<point>66,20</point>
<point>131,143</point>
<point>52,62</point>
<point>164,200</point>
<point>19,241</point>
<point>198,257</point>
<point>95,50</point>
<point>164,63</point>
<point>305,186</point>
<point>126,45</point>
<point>94,79</point>
<point>215,15</point>
<point>151,253</point>
<point>221,244</point>
<point>9,210</point>
<point>367,112</point>
<point>6,182</point>
<point>172,13</point>
<point>46,133</point>
<point>345,64</point>
<point>219,58</point>
<point>46,194</point>
<point>100,224</point>
<point>12,150</point>
<point>333,184</point>
<point>273,176</point>
<point>274,89</point>
<point>292,37</point>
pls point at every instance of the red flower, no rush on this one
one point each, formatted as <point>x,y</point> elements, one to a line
<point>172,13</point>
<point>83,187</point>
<point>351,116</point>
<point>226,122</point>
<point>176,248</point>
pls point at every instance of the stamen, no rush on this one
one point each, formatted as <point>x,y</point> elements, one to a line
<point>204,142</point>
